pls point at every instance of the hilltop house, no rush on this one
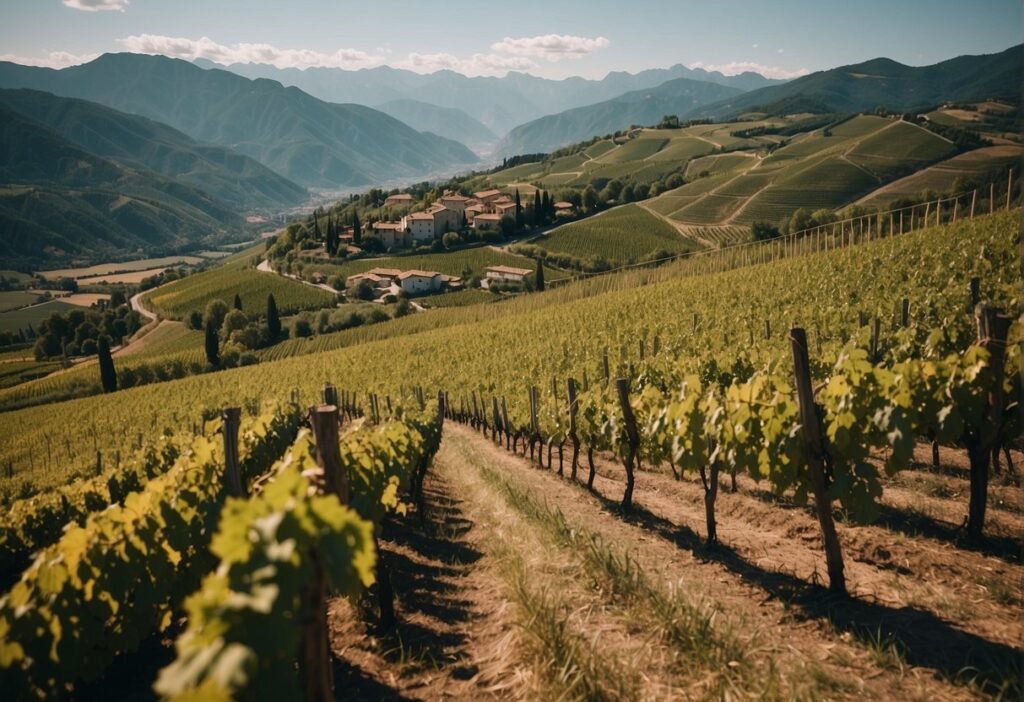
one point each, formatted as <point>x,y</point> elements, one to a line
<point>392,234</point>
<point>486,221</point>
<point>399,199</point>
<point>391,281</point>
<point>507,274</point>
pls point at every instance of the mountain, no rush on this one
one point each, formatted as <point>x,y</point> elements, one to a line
<point>59,201</point>
<point>448,122</point>
<point>141,143</point>
<point>312,142</point>
<point>498,103</point>
<point>644,107</point>
<point>882,81</point>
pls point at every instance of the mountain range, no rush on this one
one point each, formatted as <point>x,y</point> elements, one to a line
<point>312,142</point>
<point>498,103</point>
<point>883,82</point>
<point>448,122</point>
<point>58,201</point>
<point>140,143</point>
<point>642,107</point>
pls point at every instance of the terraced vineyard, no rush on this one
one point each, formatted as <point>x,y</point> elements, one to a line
<point>705,363</point>
<point>617,235</point>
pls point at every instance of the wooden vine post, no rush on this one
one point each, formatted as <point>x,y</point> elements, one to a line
<point>324,420</point>
<point>993,327</point>
<point>505,424</point>
<point>811,430</point>
<point>231,417</point>
<point>573,436</point>
<point>632,441</point>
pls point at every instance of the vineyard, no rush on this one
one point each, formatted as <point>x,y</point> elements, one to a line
<point>780,472</point>
<point>618,235</point>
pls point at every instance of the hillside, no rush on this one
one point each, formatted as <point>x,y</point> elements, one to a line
<point>883,82</point>
<point>674,97</point>
<point>448,122</point>
<point>314,143</point>
<point>59,201</point>
<point>137,142</point>
<point>499,103</point>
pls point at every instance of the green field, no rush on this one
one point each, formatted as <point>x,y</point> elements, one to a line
<point>623,234</point>
<point>176,299</point>
<point>122,267</point>
<point>471,261</point>
<point>460,298</point>
<point>13,299</point>
<point>22,318</point>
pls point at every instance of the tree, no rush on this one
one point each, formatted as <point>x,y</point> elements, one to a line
<point>195,320</point>
<point>108,376</point>
<point>212,344</point>
<point>403,308</point>
<point>762,231</point>
<point>519,211</point>
<point>507,227</point>
<point>273,318</point>
<point>216,311</point>
<point>589,198</point>
<point>357,232</point>
<point>537,211</point>
<point>538,283</point>
<point>238,302</point>
<point>234,321</point>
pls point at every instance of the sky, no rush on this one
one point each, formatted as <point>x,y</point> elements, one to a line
<point>552,39</point>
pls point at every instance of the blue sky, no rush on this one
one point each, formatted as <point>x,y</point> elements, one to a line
<point>552,38</point>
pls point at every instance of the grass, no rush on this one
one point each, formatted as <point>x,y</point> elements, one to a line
<point>17,372</point>
<point>13,299</point>
<point>120,267</point>
<point>624,233</point>
<point>177,299</point>
<point>635,150</point>
<point>472,260</point>
<point>14,320</point>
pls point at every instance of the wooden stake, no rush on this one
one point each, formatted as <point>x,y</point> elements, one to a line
<point>324,421</point>
<point>573,406</point>
<point>231,417</point>
<point>815,460</point>
<point>632,439</point>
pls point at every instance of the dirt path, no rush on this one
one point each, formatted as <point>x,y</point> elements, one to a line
<point>678,226</point>
<point>925,612</point>
<point>264,267</point>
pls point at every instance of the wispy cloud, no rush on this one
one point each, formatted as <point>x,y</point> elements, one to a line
<point>551,47</point>
<point>54,59</point>
<point>475,65</point>
<point>97,5</point>
<point>734,67</point>
<point>204,47</point>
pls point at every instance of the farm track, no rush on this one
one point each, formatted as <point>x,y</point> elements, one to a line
<point>679,227</point>
<point>465,636</point>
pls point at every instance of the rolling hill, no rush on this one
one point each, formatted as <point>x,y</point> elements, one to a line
<point>141,143</point>
<point>882,81</point>
<point>674,97</point>
<point>59,202</point>
<point>448,122</point>
<point>314,143</point>
<point>499,103</point>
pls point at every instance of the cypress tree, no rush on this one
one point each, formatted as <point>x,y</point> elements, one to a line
<point>357,232</point>
<point>238,302</point>
<point>212,344</point>
<point>108,376</point>
<point>316,224</point>
<point>519,211</point>
<point>273,318</point>
<point>538,283</point>
<point>536,208</point>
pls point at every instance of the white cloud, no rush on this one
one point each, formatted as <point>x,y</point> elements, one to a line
<point>755,46</point>
<point>204,47</point>
<point>552,47</point>
<point>475,65</point>
<point>780,51</point>
<point>96,5</point>
<point>54,59</point>
<point>734,67</point>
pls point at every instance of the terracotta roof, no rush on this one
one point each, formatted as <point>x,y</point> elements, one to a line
<point>385,272</point>
<point>387,225</point>
<point>421,215</point>
<point>475,208</point>
<point>418,274</point>
<point>505,206</point>
<point>454,196</point>
<point>488,217</point>
<point>483,194</point>
<point>509,269</point>
<point>563,205</point>
<point>503,198</point>
<point>363,276</point>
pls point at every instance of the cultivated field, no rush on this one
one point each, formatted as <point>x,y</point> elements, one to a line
<point>621,234</point>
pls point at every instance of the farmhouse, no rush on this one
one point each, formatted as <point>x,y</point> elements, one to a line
<point>563,207</point>
<point>507,274</point>
<point>420,226</point>
<point>487,221</point>
<point>391,234</point>
<point>399,199</point>
<point>487,196</point>
<point>505,209</point>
